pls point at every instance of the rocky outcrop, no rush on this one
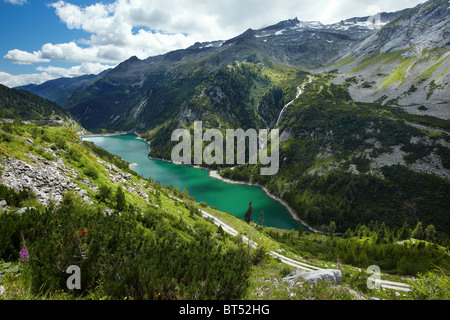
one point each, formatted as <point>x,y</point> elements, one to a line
<point>332,275</point>
<point>46,179</point>
<point>126,179</point>
<point>50,180</point>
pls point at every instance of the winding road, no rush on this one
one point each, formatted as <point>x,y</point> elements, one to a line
<point>398,286</point>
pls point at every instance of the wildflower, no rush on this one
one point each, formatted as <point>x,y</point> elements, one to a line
<point>84,232</point>
<point>24,256</point>
<point>338,264</point>
<point>2,290</point>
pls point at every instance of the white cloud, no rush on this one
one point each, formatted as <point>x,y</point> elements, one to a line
<point>50,73</point>
<point>19,2</point>
<point>22,57</point>
<point>373,9</point>
<point>11,81</point>
<point>84,68</point>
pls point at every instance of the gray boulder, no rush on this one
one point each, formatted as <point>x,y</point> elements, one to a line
<point>24,209</point>
<point>332,275</point>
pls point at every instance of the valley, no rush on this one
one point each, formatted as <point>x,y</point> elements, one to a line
<point>362,108</point>
<point>230,198</point>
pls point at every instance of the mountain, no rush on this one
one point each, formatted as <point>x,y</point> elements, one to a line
<point>59,90</point>
<point>405,63</point>
<point>73,214</point>
<point>361,107</point>
<point>357,162</point>
<point>23,105</point>
<point>142,94</point>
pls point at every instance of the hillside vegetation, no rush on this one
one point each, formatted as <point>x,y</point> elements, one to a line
<point>24,105</point>
<point>340,160</point>
<point>136,239</point>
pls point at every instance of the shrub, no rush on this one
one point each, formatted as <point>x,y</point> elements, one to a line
<point>91,172</point>
<point>431,286</point>
<point>139,256</point>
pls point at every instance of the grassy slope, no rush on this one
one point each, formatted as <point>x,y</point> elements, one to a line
<point>14,145</point>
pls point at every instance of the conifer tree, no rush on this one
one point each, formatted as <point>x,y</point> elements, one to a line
<point>332,228</point>
<point>418,231</point>
<point>404,232</point>
<point>430,233</point>
<point>248,214</point>
<point>120,199</point>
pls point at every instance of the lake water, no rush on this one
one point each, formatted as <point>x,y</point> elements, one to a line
<point>232,198</point>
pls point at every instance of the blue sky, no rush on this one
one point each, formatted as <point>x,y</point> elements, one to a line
<point>28,27</point>
<point>47,39</point>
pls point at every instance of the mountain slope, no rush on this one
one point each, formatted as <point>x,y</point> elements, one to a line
<point>405,63</point>
<point>71,203</point>
<point>74,204</point>
<point>24,105</point>
<point>156,87</point>
<point>136,239</point>
<point>353,163</point>
<point>347,133</point>
<point>141,95</point>
<point>59,90</point>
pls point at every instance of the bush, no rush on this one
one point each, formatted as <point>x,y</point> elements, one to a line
<point>138,256</point>
<point>104,194</point>
<point>91,172</point>
<point>431,286</point>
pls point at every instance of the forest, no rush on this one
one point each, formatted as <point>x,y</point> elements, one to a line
<point>406,250</point>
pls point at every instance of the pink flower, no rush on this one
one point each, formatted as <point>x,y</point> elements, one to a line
<point>24,256</point>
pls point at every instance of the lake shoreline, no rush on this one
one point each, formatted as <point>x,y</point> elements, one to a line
<point>213,174</point>
<point>117,133</point>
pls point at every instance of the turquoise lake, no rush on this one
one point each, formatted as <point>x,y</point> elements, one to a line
<point>232,198</point>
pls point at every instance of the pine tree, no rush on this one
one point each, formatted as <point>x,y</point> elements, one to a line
<point>332,228</point>
<point>430,233</point>
<point>418,231</point>
<point>405,232</point>
<point>248,214</point>
<point>348,234</point>
<point>104,193</point>
<point>120,199</point>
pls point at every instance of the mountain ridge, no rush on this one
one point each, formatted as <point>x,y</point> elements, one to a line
<point>365,118</point>
<point>307,46</point>
<point>58,90</point>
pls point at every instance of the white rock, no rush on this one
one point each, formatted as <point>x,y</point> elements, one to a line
<point>332,275</point>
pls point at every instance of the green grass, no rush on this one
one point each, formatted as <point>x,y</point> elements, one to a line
<point>398,75</point>
<point>428,73</point>
<point>425,120</point>
<point>347,60</point>
<point>372,59</point>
